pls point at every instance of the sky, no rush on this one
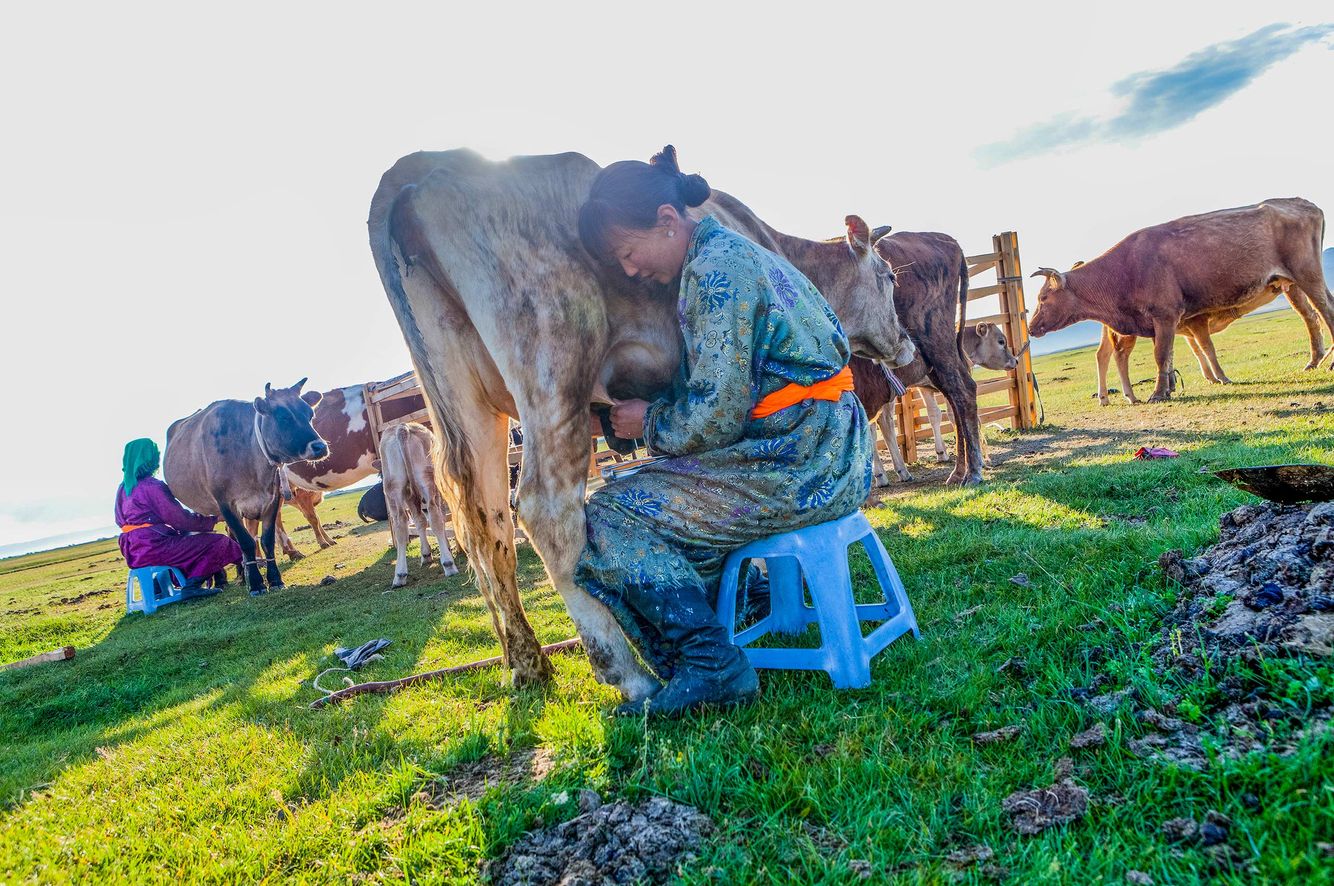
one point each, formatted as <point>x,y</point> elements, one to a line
<point>185,189</point>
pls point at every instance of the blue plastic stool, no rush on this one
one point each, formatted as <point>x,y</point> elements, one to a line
<point>150,578</point>
<point>820,554</point>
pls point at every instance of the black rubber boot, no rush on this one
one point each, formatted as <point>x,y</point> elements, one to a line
<point>194,589</point>
<point>711,671</point>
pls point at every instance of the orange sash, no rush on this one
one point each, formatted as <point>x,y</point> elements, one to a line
<point>134,526</point>
<point>829,389</point>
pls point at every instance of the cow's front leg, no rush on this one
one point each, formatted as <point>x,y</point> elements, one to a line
<point>1104,356</point>
<point>1123,349</point>
<point>891,434</point>
<point>267,539</point>
<point>1164,337</point>
<point>551,509</point>
<point>247,542</point>
<point>933,415</point>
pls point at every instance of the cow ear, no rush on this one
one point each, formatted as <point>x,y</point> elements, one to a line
<point>983,328</point>
<point>859,235</point>
<point>312,398</point>
<point>375,464</point>
<point>262,405</point>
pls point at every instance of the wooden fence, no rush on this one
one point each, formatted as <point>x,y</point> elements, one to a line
<point>910,411</point>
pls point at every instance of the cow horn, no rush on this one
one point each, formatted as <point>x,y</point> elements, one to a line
<point>297,387</point>
<point>1049,273</point>
<point>268,389</point>
<point>880,231</point>
<point>1020,352</point>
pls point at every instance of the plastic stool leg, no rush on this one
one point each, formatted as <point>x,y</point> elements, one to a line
<point>786,602</point>
<point>890,582</point>
<point>844,652</point>
<point>727,593</point>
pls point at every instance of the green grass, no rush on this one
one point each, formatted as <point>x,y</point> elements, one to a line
<point>180,747</point>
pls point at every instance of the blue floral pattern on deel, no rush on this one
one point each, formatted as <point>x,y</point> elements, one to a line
<point>714,290</point>
<point>783,288</point>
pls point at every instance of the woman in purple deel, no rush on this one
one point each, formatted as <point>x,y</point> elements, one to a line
<point>157,530</point>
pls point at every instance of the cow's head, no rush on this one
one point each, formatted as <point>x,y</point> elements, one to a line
<point>284,424</point>
<point>992,350</point>
<point>860,288</point>
<point>1057,307</point>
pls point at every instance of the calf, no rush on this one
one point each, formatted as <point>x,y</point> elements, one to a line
<point>1184,272</point>
<point>984,344</point>
<point>408,468</point>
<point>228,458</point>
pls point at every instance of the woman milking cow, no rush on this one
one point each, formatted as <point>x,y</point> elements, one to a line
<point>762,431</point>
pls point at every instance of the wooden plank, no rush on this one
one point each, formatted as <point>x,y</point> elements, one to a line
<point>389,390</point>
<point>990,318</point>
<point>62,654</point>
<point>421,416</point>
<point>995,413</point>
<point>992,385</point>
<point>985,258</point>
<point>984,291</point>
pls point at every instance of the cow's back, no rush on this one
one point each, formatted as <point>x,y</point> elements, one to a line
<point>1217,259</point>
<point>210,459</point>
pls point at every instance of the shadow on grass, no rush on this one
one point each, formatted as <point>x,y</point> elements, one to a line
<point>220,649</point>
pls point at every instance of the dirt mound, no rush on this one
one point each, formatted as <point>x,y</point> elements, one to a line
<point>1264,591</point>
<point>617,843</point>
<point>1269,580</point>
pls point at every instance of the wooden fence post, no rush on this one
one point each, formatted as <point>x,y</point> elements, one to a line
<point>1010,277</point>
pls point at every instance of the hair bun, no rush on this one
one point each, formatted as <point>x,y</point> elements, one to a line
<point>694,190</point>
<point>666,159</point>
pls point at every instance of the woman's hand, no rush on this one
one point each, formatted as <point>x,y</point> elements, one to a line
<point>627,418</point>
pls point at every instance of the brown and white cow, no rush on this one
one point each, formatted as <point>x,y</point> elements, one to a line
<point>505,315</point>
<point>1180,273</point>
<point>413,496</point>
<point>225,459</point>
<point>984,344</point>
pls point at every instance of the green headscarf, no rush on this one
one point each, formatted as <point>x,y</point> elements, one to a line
<point>141,460</point>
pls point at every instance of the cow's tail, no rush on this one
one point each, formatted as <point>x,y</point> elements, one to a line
<point>396,240</point>
<point>963,304</point>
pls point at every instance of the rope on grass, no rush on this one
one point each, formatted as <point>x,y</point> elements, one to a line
<point>389,686</point>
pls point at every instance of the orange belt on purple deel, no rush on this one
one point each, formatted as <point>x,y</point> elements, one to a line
<point>133,526</point>
<point>790,395</point>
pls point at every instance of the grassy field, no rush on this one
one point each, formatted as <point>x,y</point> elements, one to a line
<point>180,746</point>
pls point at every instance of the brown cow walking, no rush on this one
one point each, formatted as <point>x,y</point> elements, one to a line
<point>1182,273</point>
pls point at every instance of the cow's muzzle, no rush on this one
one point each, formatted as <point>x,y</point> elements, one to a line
<point>316,449</point>
<point>905,353</point>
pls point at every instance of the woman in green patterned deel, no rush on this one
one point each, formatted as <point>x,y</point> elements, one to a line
<point>761,430</point>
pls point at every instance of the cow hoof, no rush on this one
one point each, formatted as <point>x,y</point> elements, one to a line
<point>1102,401</point>
<point>880,481</point>
<point>943,458</point>
<point>295,555</point>
<point>450,569</point>
<point>905,477</point>
<point>278,587</point>
<point>256,592</point>
<point>1160,398</point>
<point>327,544</point>
<point>400,580</point>
<point>536,673</point>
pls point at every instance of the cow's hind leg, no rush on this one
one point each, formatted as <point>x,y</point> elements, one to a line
<point>1311,317</point>
<point>305,503</point>
<point>1202,357</point>
<point>478,494</point>
<point>953,380</point>
<point>247,542</point>
<point>398,533</point>
<point>551,509</point>
<point>1310,279</point>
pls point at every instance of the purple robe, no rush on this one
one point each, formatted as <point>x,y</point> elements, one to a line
<point>168,542</point>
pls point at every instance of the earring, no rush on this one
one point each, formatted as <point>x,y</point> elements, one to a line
<point>671,233</point>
